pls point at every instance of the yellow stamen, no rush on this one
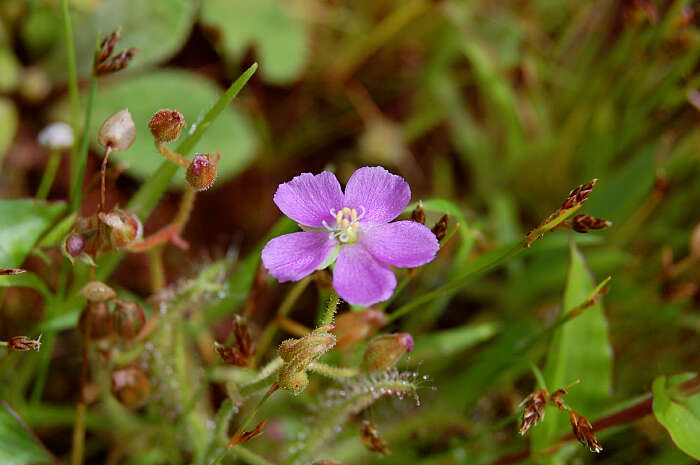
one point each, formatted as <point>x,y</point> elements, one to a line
<point>339,216</point>
<point>345,223</point>
<point>353,214</point>
<point>355,226</point>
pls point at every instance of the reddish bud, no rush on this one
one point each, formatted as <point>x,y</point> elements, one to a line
<point>23,344</point>
<point>96,321</point>
<point>384,351</point>
<point>75,245</point>
<point>128,319</point>
<point>165,125</point>
<point>131,386</point>
<point>202,170</point>
<point>351,327</point>
<point>124,227</point>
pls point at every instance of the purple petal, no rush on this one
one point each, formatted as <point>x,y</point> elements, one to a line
<point>294,256</point>
<point>405,244</point>
<point>360,279</point>
<point>382,194</point>
<point>308,199</point>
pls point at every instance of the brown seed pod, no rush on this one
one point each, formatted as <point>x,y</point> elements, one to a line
<point>96,321</point>
<point>165,125</point>
<point>534,410</point>
<point>97,291</point>
<point>118,131</point>
<point>131,386</point>
<point>202,170</point>
<point>128,319</point>
<point>23,344</point>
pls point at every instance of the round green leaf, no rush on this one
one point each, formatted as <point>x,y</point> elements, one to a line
<point>230,134</point>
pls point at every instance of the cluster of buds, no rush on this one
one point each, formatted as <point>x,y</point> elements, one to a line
<point>534,411</point>
<point>105,63</point>
<point>97,320</point>
<point>384,351</point>
<point>371,439</point>
<point>244,346</point>
<point>298,354</point>
<point>354,326</point>
<point>439,229</point>
<point>22,343</point>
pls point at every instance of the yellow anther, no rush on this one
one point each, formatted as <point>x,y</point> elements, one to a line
<point>339,216</point>
<point>353,214</point>
<point>355,226</point>
<point>345,223</point>
<point>346,211</point>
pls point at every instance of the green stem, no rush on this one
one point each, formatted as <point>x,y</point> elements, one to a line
<point>49,174</point>
<point>267,375</point>
<point>76,193</point>
<point>329,314</point>
<point>79,434</point>
<point>333,372</point>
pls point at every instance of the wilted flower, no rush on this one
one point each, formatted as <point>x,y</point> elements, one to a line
<point>352,227</point>
<point>372,441</point>
<point>124,227</point>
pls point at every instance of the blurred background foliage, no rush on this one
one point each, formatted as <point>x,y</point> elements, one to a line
<point>496,109</point>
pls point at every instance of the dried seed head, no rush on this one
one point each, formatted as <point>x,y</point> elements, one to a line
<point>352,327</point>
<point>534,410</point>
<point>578,195</point>
<point>440,228</point>
<point>165,125</point>
<point>131,386</point>
<point>418,214</point>
<point>116,63</point>
<point>97,291</point>
<point>128,319</point>
<point>107,46</point>
<point>23,343</point>
<point>384,351</point>
<point>558,398</point>
<point>202,170</point>
<point>118,131</point>
<point>583,430</point>
<point>231,355</point>
<point>56,136</point>
<point>370,438</point>
<point>75,245</point>
<point>124,227</point>
<point>96,321</point>
<point>582,223</point>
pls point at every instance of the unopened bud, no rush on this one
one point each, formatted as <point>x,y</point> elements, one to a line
<point>384,351</point>
<point>202,170</point>
<point>534,410</point>
<point>56,136</point>
<point>95,321</point>
<point>351,327</point>
<point>23,343</point>
<point>165,125</point>
<point>97,291</point>
<point>128,319</point>
<point>298,354</point>
<point>583,430</point>
<point>75,245</point>
<point>125,228</point>
<point>131,386</point>
<point>295,381</point>
<point>118,132</point>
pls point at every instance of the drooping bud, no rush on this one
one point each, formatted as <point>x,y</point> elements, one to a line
<point>118,131</point>
<point>534,410</point>
<point>165,125</point>
<point>128,319</point>
<point>56,136</point>
<point>125,228</point>
<point>131,386</point>
<point>202,170</point>
<point>75,245</point>
<point>371,439</point>
<point>97,291</point>
<point>298,354</point>
<point>96,321</point>
<point>384,351</point>
<point>418,214</point>
<point>583,430</point>
<point>23,343</point>
<point>351,327</point>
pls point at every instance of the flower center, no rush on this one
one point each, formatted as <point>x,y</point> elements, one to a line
<point>347,222</point>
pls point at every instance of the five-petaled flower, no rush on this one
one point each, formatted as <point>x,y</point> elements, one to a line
<point>352,228</point>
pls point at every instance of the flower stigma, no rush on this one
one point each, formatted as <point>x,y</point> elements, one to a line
<point>347,223</point>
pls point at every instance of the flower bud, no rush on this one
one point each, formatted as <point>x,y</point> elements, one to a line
<point>118,132</point>
<point>384,351</point>
<point>128,319</point>
<point>125,228</point>
<point>295,381</point>
<point>352,327</point>
<point>97,291</point>
<point>202,170</point>
<point>298,354</point>
<point>75,245</point>
<point>131,386</point>
<point>56,136</point>
<point>23,343</point>
<point>96,321</point>
<point>165,125</point>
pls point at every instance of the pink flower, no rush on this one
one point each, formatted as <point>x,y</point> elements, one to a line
<point>354,227</point>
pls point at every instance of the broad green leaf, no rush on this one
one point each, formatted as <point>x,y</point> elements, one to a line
<point>579,350</point>
<point>8,125</point>
<point>680,415</point>
<point>156,28</point>
<point>19,446</point>
<point>230,134</point>
<point>280,40</point>
<point>22,222</point>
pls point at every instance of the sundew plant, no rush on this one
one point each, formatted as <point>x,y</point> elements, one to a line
<point>430,232</point>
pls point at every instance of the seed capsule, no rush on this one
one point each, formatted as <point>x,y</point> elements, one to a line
<point>202,170</point>
<point>384,351</point>
<point>131,386</point>
<point>97,291</point>
<point>295,381</point>
<point>118,132</point>
<point>125,228</point>
<point>96,321</point>
<point>165,125</point>
<point>128,319</point>
<point>352,327</point>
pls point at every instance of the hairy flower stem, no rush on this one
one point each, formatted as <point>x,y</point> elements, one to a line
<point>285,307</point>
<point>172,155</point>
<point>333,372</point>
<point>185,209</point>
<point>49,174</point>
<point>327,316</point>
